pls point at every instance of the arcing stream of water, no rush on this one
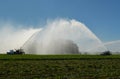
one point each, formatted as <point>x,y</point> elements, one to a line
<point>64,37</point>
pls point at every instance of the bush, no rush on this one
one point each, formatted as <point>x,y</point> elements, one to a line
<point>106,53</point>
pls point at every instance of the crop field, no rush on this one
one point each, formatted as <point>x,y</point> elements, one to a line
<point>59,67</point>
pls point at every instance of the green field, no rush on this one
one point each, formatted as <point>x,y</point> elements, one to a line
<point>59,67</point>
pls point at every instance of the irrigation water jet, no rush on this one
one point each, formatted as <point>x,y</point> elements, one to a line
<point>63,36</point>
<point>113,46</point>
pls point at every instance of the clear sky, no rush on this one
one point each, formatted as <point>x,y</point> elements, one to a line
<point>101,16</point>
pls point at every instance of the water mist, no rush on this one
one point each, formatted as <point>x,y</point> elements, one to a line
<point>63,36</point>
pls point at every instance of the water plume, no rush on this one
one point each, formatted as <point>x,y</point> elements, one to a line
<point>13,36</point>
<point>113,46</point>
<point>63,36</point>
<point>59,36</point>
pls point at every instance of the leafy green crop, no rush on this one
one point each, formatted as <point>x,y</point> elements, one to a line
<point>37,57</point>
<point>59,67</point>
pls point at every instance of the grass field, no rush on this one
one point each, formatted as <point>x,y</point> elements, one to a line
<point>59,67</point>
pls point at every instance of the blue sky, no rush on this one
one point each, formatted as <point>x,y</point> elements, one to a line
<point>101,16</point>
